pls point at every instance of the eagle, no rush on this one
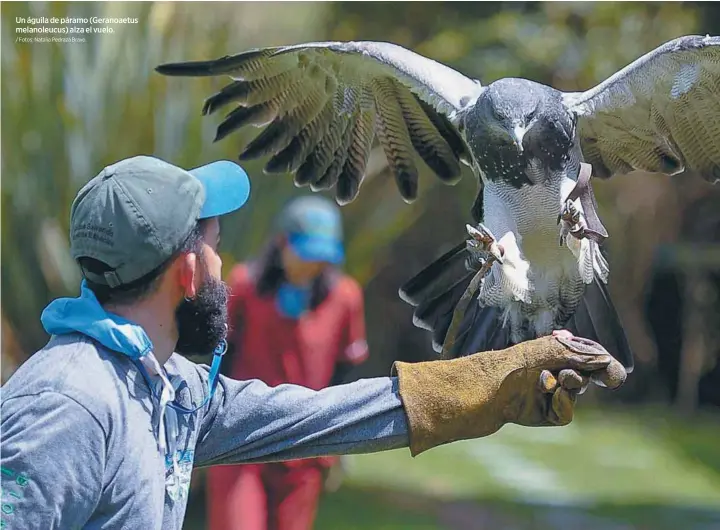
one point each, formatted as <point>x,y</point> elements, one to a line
<point>533,259</point>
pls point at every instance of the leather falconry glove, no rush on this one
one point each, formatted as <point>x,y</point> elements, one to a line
<point>534,383</point>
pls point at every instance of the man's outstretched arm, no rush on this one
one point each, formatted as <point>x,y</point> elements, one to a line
<point>249,421</point>
<point>427,404</point>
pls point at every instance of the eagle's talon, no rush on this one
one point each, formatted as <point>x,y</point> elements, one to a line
<point>484,241</point>
<point>570,213</point>
<point>571,223</point>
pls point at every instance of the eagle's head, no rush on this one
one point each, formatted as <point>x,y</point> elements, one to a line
<point>513,121</point>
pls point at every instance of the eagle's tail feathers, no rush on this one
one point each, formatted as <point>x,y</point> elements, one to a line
<point>596,319</point>
<point>482,329</point>
<point>435,279</point>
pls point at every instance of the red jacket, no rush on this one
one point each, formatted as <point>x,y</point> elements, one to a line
<point>276,349</point>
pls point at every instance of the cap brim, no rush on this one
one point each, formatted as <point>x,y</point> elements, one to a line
<point>313,248</point>
<point>227,187</point>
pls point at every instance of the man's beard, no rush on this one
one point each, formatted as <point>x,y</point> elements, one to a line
<point>202,321</point>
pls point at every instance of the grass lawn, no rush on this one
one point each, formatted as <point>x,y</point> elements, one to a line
<point>611,469</point>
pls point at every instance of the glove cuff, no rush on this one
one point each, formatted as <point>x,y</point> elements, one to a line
<point>447,401</point>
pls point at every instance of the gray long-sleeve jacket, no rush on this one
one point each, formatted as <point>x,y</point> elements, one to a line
<point>79,437</point>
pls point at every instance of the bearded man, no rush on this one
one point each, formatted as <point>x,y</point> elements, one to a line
<point>102,427</point>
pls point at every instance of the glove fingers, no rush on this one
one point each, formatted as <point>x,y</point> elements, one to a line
<point>589,356</point>
<point>572,380</point>
<point>582,346</point>
<point>567,379</point>
<point>563,351</point>
<point>586,363</point>
<point>559,352</point>
<point>611,377</point>
<point>562,407</point>
<point>548,383</point>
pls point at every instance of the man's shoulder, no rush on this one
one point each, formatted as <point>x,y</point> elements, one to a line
<point>194,374</point>
<point>73,366</point>
<point>184,367</point>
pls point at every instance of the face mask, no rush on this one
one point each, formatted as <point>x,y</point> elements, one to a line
<point>292,301</point>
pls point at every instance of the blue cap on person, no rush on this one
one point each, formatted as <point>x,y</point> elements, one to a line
<point>313,226</point>
<point>137,212</point>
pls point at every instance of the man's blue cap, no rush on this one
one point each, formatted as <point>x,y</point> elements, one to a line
<point>313,226</point>
<point>138,212</point>
<point>226,185</point>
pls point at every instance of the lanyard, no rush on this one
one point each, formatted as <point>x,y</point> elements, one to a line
<point>212,379</point>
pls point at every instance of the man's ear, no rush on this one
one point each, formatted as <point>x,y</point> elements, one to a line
<point>188,271</point>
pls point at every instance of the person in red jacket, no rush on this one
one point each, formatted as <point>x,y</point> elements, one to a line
<point>297,319</point>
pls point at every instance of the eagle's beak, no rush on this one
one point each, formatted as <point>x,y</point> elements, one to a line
<point>517,134</point>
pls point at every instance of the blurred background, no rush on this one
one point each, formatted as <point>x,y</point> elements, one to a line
<point>645,457</point>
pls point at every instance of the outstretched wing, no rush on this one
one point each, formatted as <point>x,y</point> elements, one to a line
<point>325,102</point>
<point>661,113</point>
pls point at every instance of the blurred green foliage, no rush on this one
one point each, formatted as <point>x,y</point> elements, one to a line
<point>70,109</point>
<point>608,470</point>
